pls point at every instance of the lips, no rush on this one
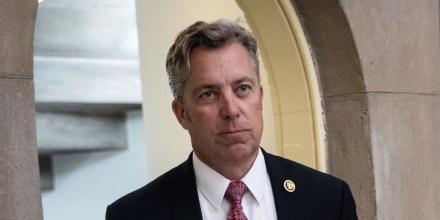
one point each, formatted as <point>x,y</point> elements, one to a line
<point>233,131</point>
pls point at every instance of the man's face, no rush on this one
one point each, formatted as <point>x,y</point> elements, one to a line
<point>222,106</point>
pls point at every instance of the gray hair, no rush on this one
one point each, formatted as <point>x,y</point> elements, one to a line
<point>210,36</point>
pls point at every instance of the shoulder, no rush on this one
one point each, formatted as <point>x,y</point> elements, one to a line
<point>320,195</point>
<point>148,199</point>
<point>307,180</point>
<point>288,167</point>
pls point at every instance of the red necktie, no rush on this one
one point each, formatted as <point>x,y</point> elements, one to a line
<point>234,193</point>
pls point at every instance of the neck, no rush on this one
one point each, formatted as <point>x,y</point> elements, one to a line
<point>232,170</point>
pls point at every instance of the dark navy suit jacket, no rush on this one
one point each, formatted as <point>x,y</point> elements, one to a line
<point>174,195</point>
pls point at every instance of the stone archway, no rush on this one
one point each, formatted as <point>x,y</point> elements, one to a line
<point>349,153</point>
<point>346,143</point>
<point>294,89</point>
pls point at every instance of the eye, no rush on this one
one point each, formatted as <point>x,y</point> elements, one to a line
<point>207,95</point>
<point>244,90</point>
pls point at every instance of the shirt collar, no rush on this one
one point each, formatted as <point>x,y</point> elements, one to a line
<point>213,185</point>
<point>257,176</point>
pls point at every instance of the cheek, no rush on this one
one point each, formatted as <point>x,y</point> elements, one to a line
<point>199,120</point>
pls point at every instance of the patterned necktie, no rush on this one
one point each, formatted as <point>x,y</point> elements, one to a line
<point>234,193</point>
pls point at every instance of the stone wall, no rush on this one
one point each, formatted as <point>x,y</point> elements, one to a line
<point>399,49</point>
<point>379,70</point>
<point>19,177</point>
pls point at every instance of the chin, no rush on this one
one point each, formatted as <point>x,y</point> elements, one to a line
<point>241,150</point>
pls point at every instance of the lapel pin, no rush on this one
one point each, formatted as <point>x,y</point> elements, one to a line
<point>289,186</point>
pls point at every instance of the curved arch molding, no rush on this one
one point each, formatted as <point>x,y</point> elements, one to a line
<point>298,115</point>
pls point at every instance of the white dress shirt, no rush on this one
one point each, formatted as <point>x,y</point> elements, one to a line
<point>258,202</point>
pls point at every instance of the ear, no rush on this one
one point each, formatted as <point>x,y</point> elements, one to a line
<point>179,112</point>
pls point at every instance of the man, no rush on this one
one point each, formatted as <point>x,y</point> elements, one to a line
<point>214,76</point>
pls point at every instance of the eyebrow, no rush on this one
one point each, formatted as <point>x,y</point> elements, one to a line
<point>244,79</point>
<point>213,86</point>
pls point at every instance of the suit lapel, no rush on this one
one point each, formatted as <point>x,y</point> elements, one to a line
<point>288,204</point>
<point>182,194</point>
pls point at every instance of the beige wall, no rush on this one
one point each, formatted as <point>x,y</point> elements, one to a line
<point>158,24</point>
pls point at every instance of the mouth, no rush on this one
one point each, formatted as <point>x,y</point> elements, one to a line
<point>234,136</point>
<point>233,132</point>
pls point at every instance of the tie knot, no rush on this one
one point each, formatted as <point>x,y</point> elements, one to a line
<point>235,191</point>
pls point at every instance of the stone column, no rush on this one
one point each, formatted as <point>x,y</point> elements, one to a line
<point>378,63</point>
<point>398,42</point>
<point>19,177</point>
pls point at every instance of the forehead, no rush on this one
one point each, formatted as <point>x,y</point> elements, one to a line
<point>231,61</point>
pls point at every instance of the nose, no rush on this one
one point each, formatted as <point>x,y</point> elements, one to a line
<point>229,109</point>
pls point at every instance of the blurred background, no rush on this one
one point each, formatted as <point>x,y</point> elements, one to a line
<point>90,131</point>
